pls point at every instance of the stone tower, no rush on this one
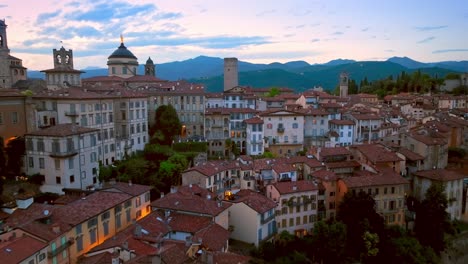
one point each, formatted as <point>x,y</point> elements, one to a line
<point>62,75</point>
<point>231,78</point>
<point>150,69</point>
<point>11,68</point>
<point>63,59</point>
<point>344,77</point>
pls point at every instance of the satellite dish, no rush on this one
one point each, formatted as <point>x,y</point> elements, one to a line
<point>46,212</point>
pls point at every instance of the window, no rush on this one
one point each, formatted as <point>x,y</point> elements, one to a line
<point>58,180</point>
<point>40,145</point>
<point>57,164</point>
<point>14,117</point>
<point>71,162</point>
<point>291,221</point>
<point>1,118</point>
<point>298,220</point>
<point>137,202</point>
<point>41,163</point>
<point>31,162</point>
<point>295,125</point>
<point>72,178</point>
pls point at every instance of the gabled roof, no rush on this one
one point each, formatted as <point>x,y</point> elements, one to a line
<point>128,188</point>
<point>19,249</point>
<point>254,200</point>
<point>295,187</point>
<point>190,203</point>
<point>377,153</point>
<point>440,175</point>
<point>368,180</point>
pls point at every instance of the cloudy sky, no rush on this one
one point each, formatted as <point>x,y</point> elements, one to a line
<point>259,31</point>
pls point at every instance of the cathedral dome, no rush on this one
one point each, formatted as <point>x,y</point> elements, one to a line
<point>122,52</point>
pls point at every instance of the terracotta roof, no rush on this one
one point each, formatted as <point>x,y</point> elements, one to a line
<point>342,164</point>
<point>428,140</point>
<point>180,202</point>
<point>254,200</point>
<point>325,175</point>
<point>281,167</point>
<point>10,93</point>
<point>410,155</point>
<point>295,186</point>
<point>70,93</point>
<point>129,188</point>
<point>63,217</point>
<point>19,249</point>
<point>188,223</point>
<point>213,167</point>
<point>377,153</point>
<point>365,116</point>
<point>440,175</point>
<point>214,237</point>
<point>254,120</point>
<point>341,122</point>
<point>62,130</point>
<point>103,258</point>
<point>386,178</point>
<point>325,152</point>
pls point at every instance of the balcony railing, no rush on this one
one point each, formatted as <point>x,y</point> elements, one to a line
<point>61,248</point>
<point>71,113</point>
<point>63,154</point>
<point>280,130</point>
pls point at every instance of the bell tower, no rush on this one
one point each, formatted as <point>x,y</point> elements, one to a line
<point>63,59</point>
<point>344,78</point>
<point>3,38</point>
<point>150,69</point>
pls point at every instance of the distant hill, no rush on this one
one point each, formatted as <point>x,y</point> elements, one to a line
<point>316,75</point>
<point>459,66</point>
<point>298,75</point>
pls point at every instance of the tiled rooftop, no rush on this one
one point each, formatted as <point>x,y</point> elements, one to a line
<point>18,249</point>
<point>254,200</point>
<point>295,186</point>
<point>440,175</point>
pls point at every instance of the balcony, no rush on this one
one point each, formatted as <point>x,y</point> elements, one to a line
<point>71,113</point>
<point>280,129</point>
<point>63,154</point>
<point>54,253</point>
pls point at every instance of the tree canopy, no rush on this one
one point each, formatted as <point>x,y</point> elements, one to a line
<point>167,125</point>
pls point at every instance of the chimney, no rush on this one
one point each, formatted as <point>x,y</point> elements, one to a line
<point>56,229</point>
<point>162,195</point>
<point>294,188</point>
<point>129,182</point>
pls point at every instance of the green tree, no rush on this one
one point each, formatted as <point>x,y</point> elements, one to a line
<point>399,247</point>
<point>15,151</point>
<point>357,212</point>
<point>167,125</point>
<point>134,169</point>
<point>432,220</point>
<point>180,164</point>
<point>274,91</point>
<point>328,242</point>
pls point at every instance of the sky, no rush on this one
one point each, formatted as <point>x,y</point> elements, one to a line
<point>257,31</point>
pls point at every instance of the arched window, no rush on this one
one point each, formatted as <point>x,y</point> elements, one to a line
<point>1,41</point>
<point>67,59</point>
<point>59,59</point>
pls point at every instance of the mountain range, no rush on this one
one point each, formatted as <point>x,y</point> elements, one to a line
<point>298,75</point>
